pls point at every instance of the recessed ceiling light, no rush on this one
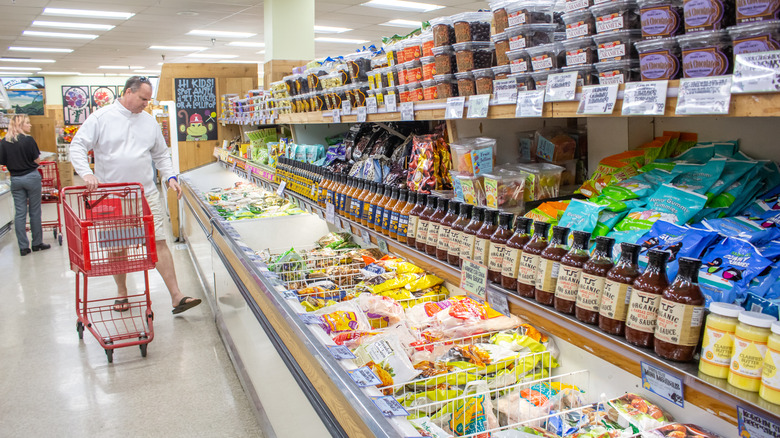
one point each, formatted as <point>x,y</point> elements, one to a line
<point>35,33</point>
<point>39,49</point>
<point>25,60</point>
<point>87,13</point>
<point>220,33</point>
<point>402,23</point>
<point>120,67</point>
<point>179,48</point>
<point>20,68</point>
<point>245,44</point>
<point>59,73</point>
<point>210,56</point>
<point>77,26</point>
<point>339,40</point>
<point>330,29</point>
<point>402,5</point>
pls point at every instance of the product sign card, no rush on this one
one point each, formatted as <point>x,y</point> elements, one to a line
<point>598,99</point>
<point>407,111</point>
<point>390,103</point>
<point>757,72</point>
<point>645,98</point>
<point>340,352</point>
<point>365,236</point>
<point>478,106</point>
<point>561,87</point>
<point>530,103</point>
<point>390,406</point>
<point>289,295</point>
<point>382,244</point>
<point>280,190</point>
<point>505,91</point>
<point>363,377</point>
<point>336,116</point>
<point>346,107</point>
<point>710,95</point>
<point>454,109</point>
<point>473,278</point>
<point>330,213</point>
<point>754,425</point>
<point>498,301</point>
<point>371,105</point>
<point>361,114</point>
<point>310,319</point>
<point>666,385</point>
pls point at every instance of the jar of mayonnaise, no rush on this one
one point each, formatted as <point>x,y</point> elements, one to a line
<point>770,378</point>
<point>718,341</point>
<point>747,360</point>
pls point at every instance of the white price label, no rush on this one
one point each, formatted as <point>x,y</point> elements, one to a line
<point>361,114</point>
<point>665,384</point>
<point>340,352</point>
<point>310,319</point>
<point>346,107</point>
<point>757,72</point>
<point>363,376</point>
<point>407,111</point>
<point>330,213</point>
<point>498,301</point>
<point>455,107</point>
<point>710,95</point>
<point>336,116</point>
<point>473,278</point>
<point>280,190</point>
<point>561,87</point>
<point>289,295</point>
<point>478,106</point>
<point>530,103</point>
<point>390,406</point>
<point>598,99</point>
<point>371,105</point>
<point>390,103</point>
<point>366,236</point>
<point>646,98</point>
<point>505,91</point>
<point>382,244</point>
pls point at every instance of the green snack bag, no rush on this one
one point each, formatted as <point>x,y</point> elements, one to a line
<point>607,220</point>
<point>698,178</point>
<point>668,203</point>
<point>639,186</point>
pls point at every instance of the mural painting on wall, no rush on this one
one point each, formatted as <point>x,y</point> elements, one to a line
<point>196,104</point>
<point>102,96</point>
<point>75,104</point>
<point>25,95</point>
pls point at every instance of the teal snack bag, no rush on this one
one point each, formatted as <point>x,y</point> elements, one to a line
<point>607,221</point>
<point>727,197</point>
<point>726,148</point>
<point>581,215</point>
<point>698,178</point>
<point>668,203</point>
<point>728,268</point>
<point>624,236</point>
<point>732,171</point>
<point>750,191</point>
<point>638,186</point>
<point>697,154</point>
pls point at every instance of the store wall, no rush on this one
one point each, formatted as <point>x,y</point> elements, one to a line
<point>54,85</point>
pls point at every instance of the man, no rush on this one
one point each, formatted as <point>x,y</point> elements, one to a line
<point>126,140</point>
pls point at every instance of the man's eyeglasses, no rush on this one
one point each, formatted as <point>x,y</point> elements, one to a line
<point>143,79</point>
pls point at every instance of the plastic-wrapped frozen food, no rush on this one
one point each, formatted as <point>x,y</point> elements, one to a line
<point>637,412</point>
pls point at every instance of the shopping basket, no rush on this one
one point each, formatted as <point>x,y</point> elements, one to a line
<point>110,231</point>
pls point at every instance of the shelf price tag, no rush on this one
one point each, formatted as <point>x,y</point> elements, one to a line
<point>598,99</point>
<point>757,72</point>
<point>330,213</point>
<point>505,91</point>
<point>478,106</point>
<point>280,189</point>
<point>407,111</point>
<point>645,98</point>
<point>754,425</point>
<point>363,377</point>
<point>371,105</point>
<point>289,295</point>
<point>661,382</point>
<point>361,114</point>
<point>561,87</point>
<point>390,103</point>
<point>498,301</point>
<point>473,278</point>
<point>390,406</point>
<point>530,103</point>
<point>310,319</point>
<point>710,95</point>
<point>455,107</point>
<point>382,244</point>
<point>336,116</point>
<point>340,352</point>
<point>365,236</point>
<point>346,107</point>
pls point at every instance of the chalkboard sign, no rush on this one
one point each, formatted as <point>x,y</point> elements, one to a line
<point>196,109</point>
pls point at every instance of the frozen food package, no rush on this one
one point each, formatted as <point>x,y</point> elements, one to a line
<point>634,411</point>
<point>387,351</point>
<point>677,430</point>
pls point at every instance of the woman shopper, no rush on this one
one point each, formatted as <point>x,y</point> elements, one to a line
<point>19,153</point>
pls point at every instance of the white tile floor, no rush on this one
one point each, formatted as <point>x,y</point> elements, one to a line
<point>53,384</point>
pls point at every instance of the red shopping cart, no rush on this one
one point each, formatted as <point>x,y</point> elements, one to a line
<point>50,194</point>
<point>110,231</point>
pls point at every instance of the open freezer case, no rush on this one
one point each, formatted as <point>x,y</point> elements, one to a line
<point>293,371</point>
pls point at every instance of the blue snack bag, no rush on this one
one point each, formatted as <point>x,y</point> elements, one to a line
<point>700,153</point>
<point>771,250</point>
<point>581,216</point>
<point>745,228</point>
<point>728,268</point>
<point>767,202</point>
<point>678,241</point>
<point>754,303</point>
<point>668,203</point>
<point>620,237</point>
<point>763,282</point>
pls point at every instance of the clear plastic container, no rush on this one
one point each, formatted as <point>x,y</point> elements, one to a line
<point>483,79</point>
<point>473,156</point>
<point>429,90</point>
<point>579,51</point>
<point>500,16</point>
<point>519,61</point>
<point>616,15</point>
<point>472,189</point>
<point>540,78</point>
<point>444,57</point>
<point>505,190</point>
<point>659,59</point>
<point>501,72</point>
<point>359,64</point>
<point>426,41</point>
<point>501,41</point>
<point>526,147</point>
<point>403,94</point>
<point>660,18</point>
<point>618,45</point>
<point>579,24</point>
<point>586,74</point>
<point>466,84</point>
<point>413,71</point>
<point>529,12</point>
<point>446,86</point>
<point>543,179</point>
<point>547,57</point>
<point>756,37</point>
<point>412,48</point>
<point>472,26</point>
<point>474,55</point>
<point>530,35</point>
<point>415,92</point>
<point>708,15</point>
<point>618,72</point>
<point>577,5</point>
<point>751,11</point>
<point>443,32</point>
<point>706,53</point>
<point>525,82</point>
<point>428,67</point>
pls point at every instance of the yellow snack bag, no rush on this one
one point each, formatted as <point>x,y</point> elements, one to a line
<point>424,281</point>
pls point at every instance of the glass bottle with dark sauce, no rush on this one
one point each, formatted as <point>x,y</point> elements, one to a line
<point>514,249</point>
<point>617,288</point>
<point>529,260</point>
<point>569,273</point>
<point>646,294</point>
<point>550,266</point>
<point>592,279</point>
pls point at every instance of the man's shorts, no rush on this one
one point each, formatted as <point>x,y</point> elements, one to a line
<point>155,206</point>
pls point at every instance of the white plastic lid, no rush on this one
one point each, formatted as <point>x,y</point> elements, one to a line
<point>776,328</point>
<point>726,309</point>
<point>757,319</point>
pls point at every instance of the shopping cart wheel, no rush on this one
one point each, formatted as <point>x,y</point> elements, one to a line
<point>54,231</point>
<point>143,349</point>
<point>59,239</point>
<point>80,329</point>
<point>110,355</point>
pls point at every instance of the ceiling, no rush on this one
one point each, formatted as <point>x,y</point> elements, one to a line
<point>166,22</point>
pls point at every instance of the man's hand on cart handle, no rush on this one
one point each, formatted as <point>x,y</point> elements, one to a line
<point>91,182</point>
<point>174,184</point>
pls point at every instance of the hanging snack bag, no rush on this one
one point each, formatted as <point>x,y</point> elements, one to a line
<point>667,203</point>
<point>728,268</point>
<point>678,241</point>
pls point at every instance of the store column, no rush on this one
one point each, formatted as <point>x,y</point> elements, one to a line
<point>289,37</point>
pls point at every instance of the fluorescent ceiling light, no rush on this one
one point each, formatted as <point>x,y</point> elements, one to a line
<point>262,52</point>
<point>220,33</point>
<point>147,71</point>
<point>402,23</point>
<point>20,68</point>
<point>120,67</point>
<point>77,26</point>
<point>87,13</point>
<point>245,44</point>
<point>21,73</point>
<point>59,73</point>
<point>330,29</point>
<point>402,5</point>
<point>210,56</point>
<point>25,60</point>
<point>339,40</point>
<point>36,33</point>
<point>231,61</point>
<point>102,74</point>
<point>39,49</point>
<point>179,48</point>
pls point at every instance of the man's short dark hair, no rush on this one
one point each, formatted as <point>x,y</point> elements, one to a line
<point>134,83</point>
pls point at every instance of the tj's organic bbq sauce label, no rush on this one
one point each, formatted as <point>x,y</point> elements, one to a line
<point>481,248</point>
<point>526,273</point>
<point>568,283</point>
<point>614,300</point>
<point>642,311</point>
<point>589,293</point>
<point>679,324</point>
<point>511,262</point>
<point>496,259</point>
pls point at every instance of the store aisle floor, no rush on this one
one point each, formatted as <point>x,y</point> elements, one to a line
<point>53,384</point>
